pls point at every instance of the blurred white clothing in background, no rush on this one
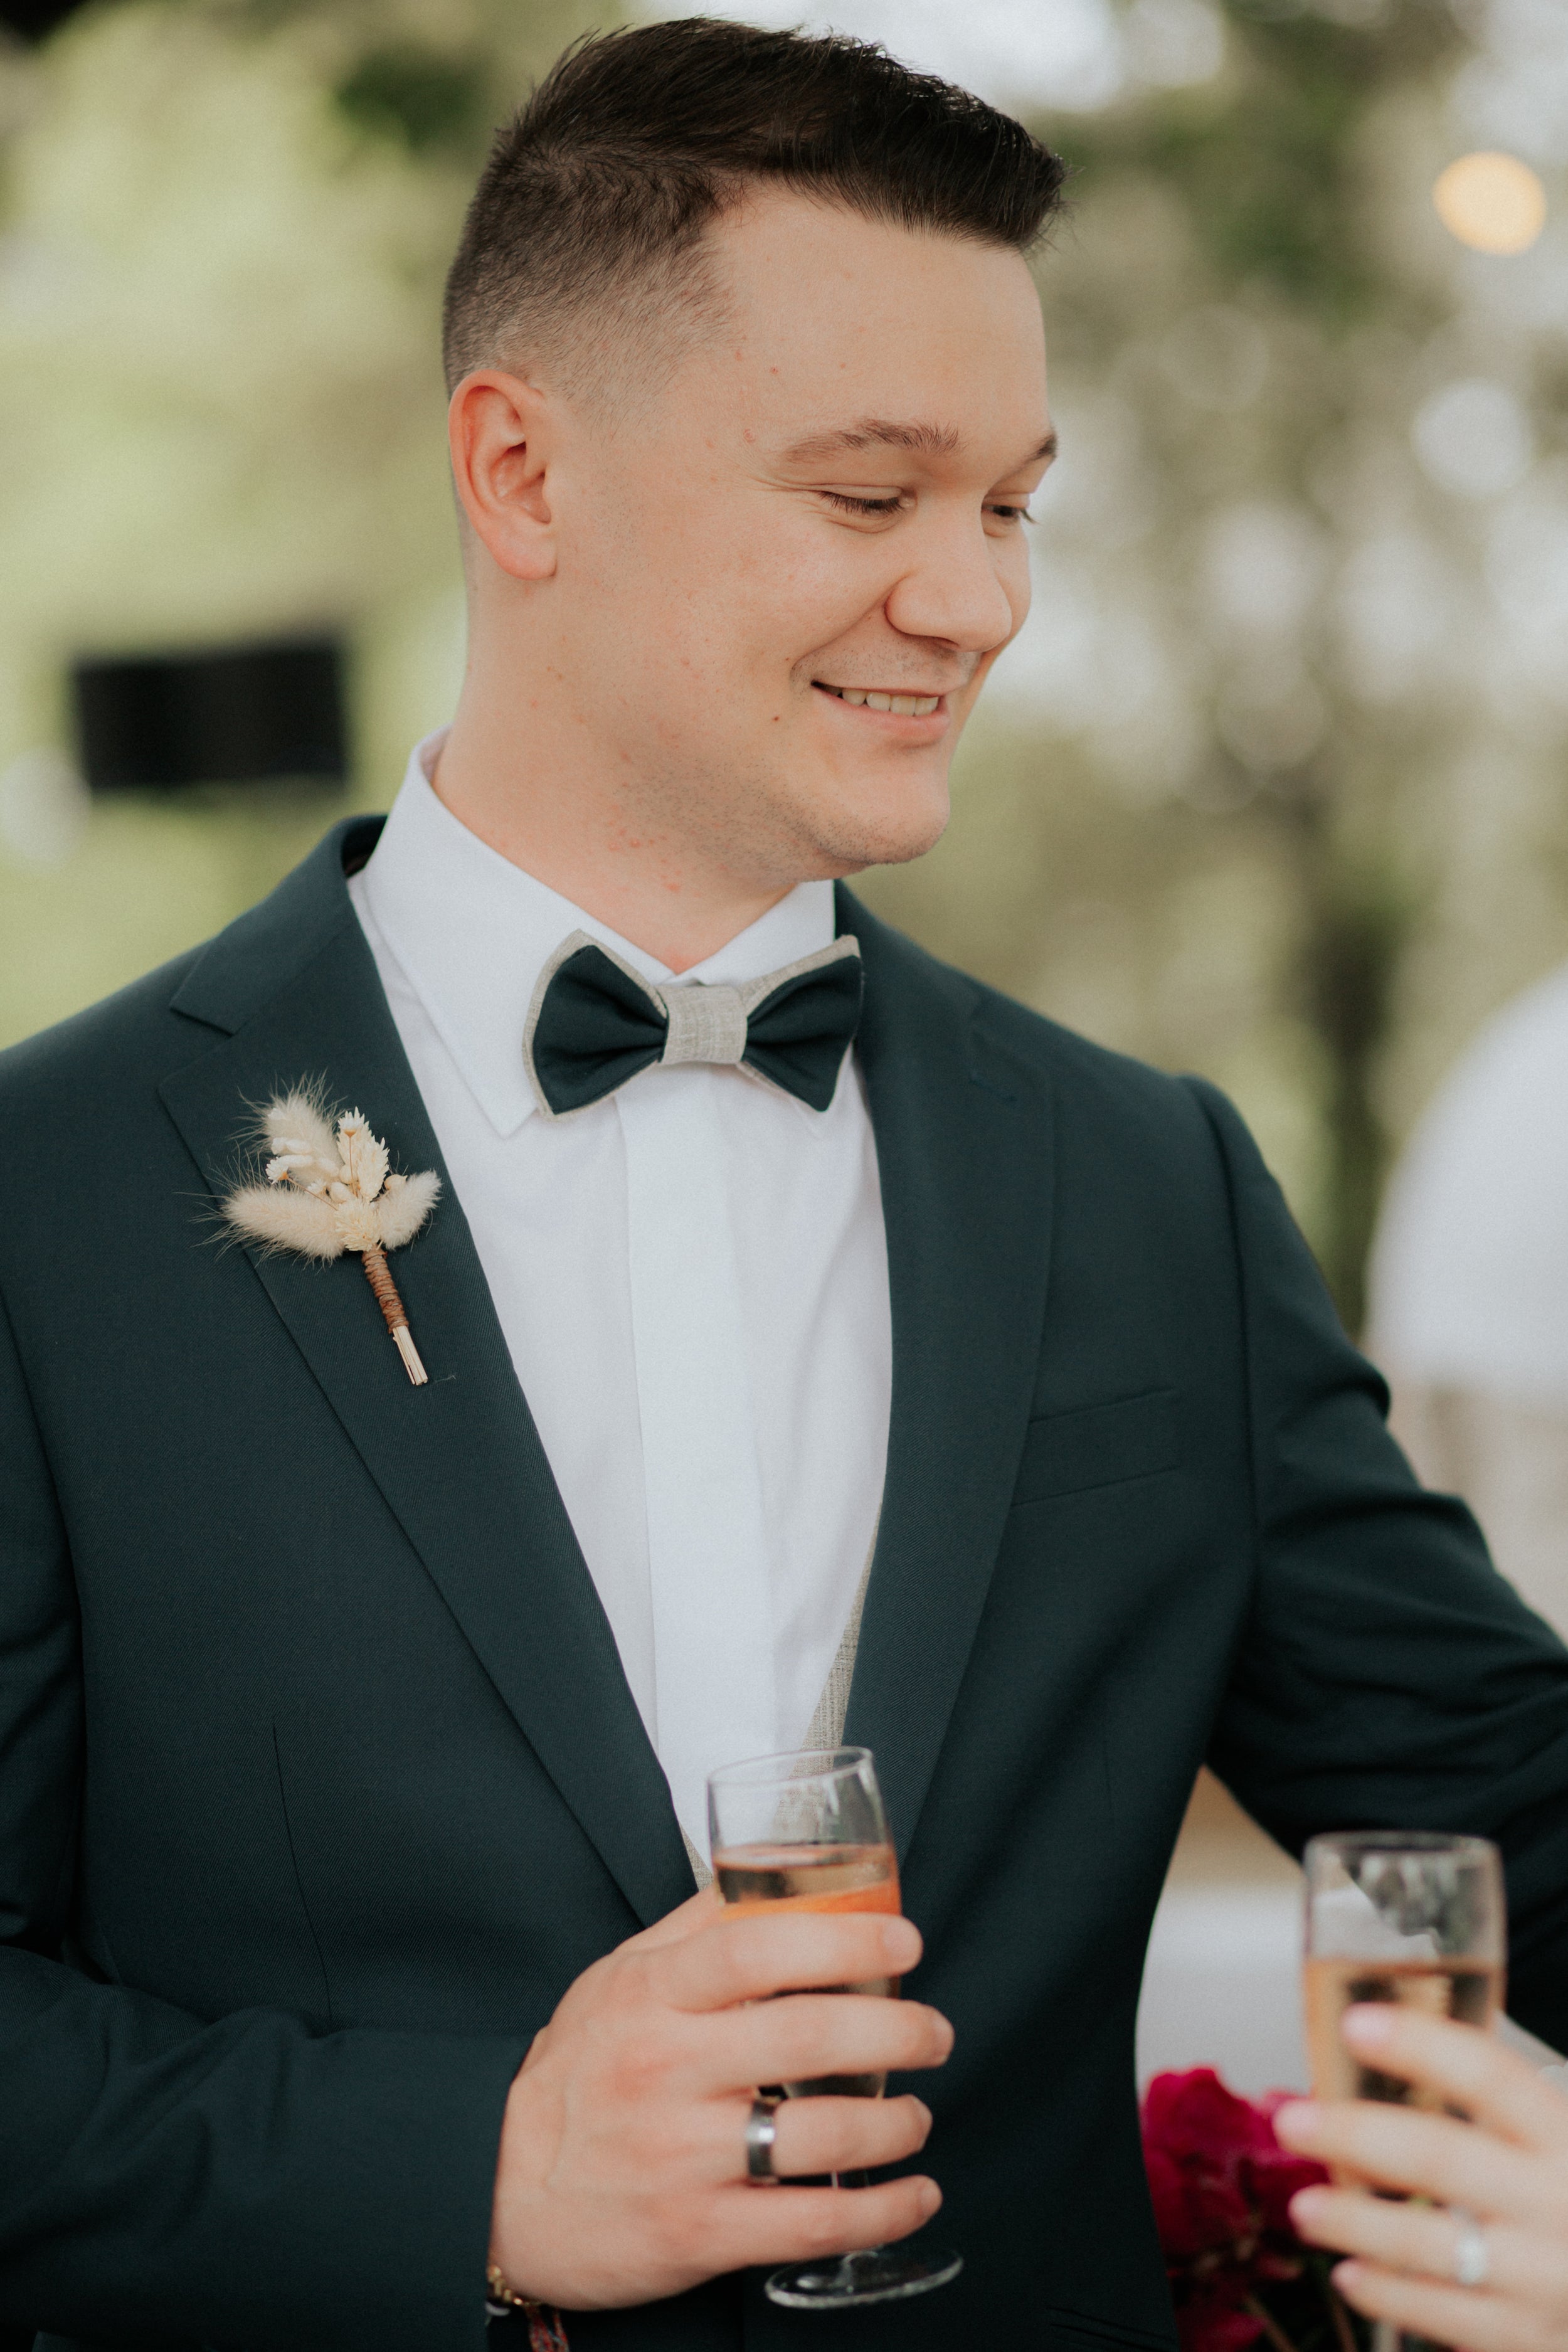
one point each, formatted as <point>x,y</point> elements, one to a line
<point>1468,1291</point>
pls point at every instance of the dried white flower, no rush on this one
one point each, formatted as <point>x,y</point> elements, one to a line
<point>328,1190</point>
<point>358,1223</point>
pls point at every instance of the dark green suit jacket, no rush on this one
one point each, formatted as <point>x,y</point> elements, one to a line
<point>318,1777</point>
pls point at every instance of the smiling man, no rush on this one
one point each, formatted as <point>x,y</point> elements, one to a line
<point>734,599</point>
<point>818,1345</point>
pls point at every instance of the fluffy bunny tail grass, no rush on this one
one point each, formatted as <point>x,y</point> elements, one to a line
<point>300,1117</point>
<point>282,1218</point>
<point>404,1206</point>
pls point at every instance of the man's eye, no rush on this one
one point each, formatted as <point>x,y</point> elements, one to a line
<point>848,505</point>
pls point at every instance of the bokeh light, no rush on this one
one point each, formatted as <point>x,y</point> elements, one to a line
<point>1491,202</point>
<point>1474,438</point>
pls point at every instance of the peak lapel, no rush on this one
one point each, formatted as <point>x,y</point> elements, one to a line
<point>963,1144</point>
<point>294,992</point>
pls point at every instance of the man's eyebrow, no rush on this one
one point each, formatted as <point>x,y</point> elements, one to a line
<point>887,433</point>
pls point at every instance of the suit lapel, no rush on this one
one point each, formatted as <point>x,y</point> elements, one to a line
<point>293,991</point>
<point>963,1144</point>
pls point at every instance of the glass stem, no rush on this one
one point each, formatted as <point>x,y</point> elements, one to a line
<point>846,2261</point>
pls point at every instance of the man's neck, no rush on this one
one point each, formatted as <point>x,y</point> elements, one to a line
<point>537,807</point>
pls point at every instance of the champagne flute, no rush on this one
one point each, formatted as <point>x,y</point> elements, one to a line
<point>806,1832</point>
<point>1402,1916</point>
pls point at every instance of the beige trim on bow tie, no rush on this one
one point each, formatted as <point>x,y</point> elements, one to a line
<point>706,1025</point>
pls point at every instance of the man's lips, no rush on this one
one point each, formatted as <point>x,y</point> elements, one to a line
<point>899,704</point>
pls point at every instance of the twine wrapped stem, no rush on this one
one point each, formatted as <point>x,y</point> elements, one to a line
<point>378,1274</point>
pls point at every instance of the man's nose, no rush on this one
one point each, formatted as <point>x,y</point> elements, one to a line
<point>954,590</point>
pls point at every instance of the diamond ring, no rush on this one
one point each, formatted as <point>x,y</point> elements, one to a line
<point>1472,2262</point>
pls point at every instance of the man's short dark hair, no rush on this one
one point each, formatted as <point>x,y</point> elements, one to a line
<point>583,246</point>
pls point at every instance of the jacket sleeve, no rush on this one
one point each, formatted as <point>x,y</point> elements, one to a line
<point>236,2180</point>
<point>1387,1676</point>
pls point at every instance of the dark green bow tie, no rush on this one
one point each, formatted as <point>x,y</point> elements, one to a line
<point>595,1022</point>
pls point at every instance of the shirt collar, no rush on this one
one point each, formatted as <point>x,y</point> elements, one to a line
<point>470,932</point>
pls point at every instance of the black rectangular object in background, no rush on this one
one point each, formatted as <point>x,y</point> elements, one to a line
<point>234,715</point>
<point>34,20</point>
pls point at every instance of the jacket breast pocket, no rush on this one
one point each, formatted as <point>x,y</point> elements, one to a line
<point>1099,1445</point>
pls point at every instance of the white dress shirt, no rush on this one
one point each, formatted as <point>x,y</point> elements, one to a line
<point>691,1278</point>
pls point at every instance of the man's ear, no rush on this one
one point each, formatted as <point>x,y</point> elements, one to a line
<point>500,430</point>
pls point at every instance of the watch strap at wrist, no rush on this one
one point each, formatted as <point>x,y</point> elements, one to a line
<point>546,2333</point>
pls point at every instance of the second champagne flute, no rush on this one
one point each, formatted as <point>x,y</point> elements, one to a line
<point>805,1831</point>
<point>1401,1916</point>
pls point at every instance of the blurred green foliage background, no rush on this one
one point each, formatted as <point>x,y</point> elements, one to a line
<point>1272,786</point>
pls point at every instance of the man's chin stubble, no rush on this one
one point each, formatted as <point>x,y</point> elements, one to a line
<point>768,839</point>
<point>825,844</point>
<point>852,850</point>
<point>894,830</point>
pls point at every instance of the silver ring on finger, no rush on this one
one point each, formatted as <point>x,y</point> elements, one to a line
<point>1472,2258</point>
<point>761,2133</point>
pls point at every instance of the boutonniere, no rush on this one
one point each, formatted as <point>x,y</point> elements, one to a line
<point>328,1190</point>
